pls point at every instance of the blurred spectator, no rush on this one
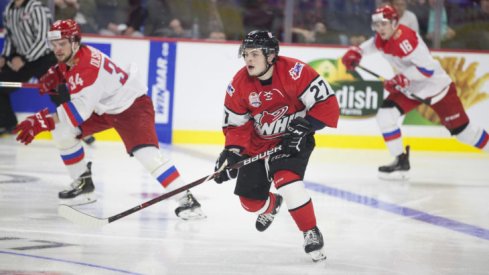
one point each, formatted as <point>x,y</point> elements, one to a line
<point>135,19</point>
<point>463,14</point>
<point>319,34</point>
<point>231,16</point>
<point>257,15</point>
<point>65,9</point>
<point>82,11</point>
<point>483,11</point>
<point>120,17</point>
<point>177,29</point>
<point>86,16</point>
<point>216,36</point>
<point>3,4</point>
<point>308,12</point>
<point>472,28</point>
<point>351,18</point>
<point>406,17</point>
<point>112,16</point>
<point>422,11</point>
<point>158,18</point>
<point>445,31</point>
<point>215,21</point>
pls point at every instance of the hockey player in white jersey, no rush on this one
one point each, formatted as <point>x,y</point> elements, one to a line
<point>97,95</point>
<point>419,79</point>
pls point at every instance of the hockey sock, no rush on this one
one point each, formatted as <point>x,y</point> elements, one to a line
<point>298,201</point>
<point>74,160</point>
<point>304,216</point>
<point>387,119</point>
<point>475,136</point>
<point>160,168</point>
<point>70,149</point>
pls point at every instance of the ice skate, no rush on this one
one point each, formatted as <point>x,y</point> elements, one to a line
<point>397,170</point>
<point>313,244</point>
<point>82,190</point>
<point>265,220</point>
<point>189,208</point>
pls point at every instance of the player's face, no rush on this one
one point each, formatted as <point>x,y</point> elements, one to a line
<point>62,49</point>
<point>255,61</point>
<point>385,29</point>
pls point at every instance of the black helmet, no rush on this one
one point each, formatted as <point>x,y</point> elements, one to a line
<point>258,39</point>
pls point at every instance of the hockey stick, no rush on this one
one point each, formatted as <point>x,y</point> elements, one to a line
<point>7,84</point>
<point>404,91</point>
<point>84,219</point>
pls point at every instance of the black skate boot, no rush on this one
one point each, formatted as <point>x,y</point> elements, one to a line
<point>397,170</point>
<point>82,190</point>
<point>265,220</point>
<point>313,244</point>
<point>189,208</point>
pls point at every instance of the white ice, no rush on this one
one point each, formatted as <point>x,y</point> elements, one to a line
<point>437,223</point>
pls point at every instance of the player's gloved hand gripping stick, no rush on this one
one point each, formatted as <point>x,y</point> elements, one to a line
<point>401,89</point>
<point>84,219</point>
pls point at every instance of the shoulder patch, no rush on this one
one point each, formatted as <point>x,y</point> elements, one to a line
<point>230,90</point>
<point>295,72</point>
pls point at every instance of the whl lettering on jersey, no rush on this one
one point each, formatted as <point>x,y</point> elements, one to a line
<point>271,125</point>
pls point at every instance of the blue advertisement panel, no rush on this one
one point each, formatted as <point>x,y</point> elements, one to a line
<point>161,83</point>
<point>30,101</point>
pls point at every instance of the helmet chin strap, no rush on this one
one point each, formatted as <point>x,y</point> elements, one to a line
<point>73,51</point>
<point>266,70</point>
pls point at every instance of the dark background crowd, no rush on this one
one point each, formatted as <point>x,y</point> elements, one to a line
<point>461,24</point>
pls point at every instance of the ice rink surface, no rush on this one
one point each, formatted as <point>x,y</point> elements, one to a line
<point>437,223</point>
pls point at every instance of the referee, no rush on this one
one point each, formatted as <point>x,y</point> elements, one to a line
<point>25,53</point>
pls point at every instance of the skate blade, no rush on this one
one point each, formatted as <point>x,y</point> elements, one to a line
<point>394,176</point>
<point>192,214</point>
<point>317,256</point>
<point>79,200</point>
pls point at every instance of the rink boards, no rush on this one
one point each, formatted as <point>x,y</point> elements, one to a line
<point>187,81</point>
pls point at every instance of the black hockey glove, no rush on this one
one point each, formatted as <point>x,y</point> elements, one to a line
<point>232,156</point>
<point>60,95</point>
<point>295,136</point>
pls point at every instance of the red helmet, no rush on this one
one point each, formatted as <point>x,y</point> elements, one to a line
<point>65,29</point>
<point>385,13</point>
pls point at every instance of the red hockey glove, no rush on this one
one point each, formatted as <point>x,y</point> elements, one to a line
<point>50,81</point>
<point>33,125</point>
<point>352,58</point>
<point>397,84</point>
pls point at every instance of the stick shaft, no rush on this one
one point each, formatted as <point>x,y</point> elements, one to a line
<point>8,84</point>
<point>193,184</point>
<point>160,198</point>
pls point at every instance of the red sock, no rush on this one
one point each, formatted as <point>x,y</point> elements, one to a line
<point>304,216</point>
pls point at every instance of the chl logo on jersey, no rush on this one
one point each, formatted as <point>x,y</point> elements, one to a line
<point>271,125</point>
<point>296,71</point>
<point>254,99</point>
